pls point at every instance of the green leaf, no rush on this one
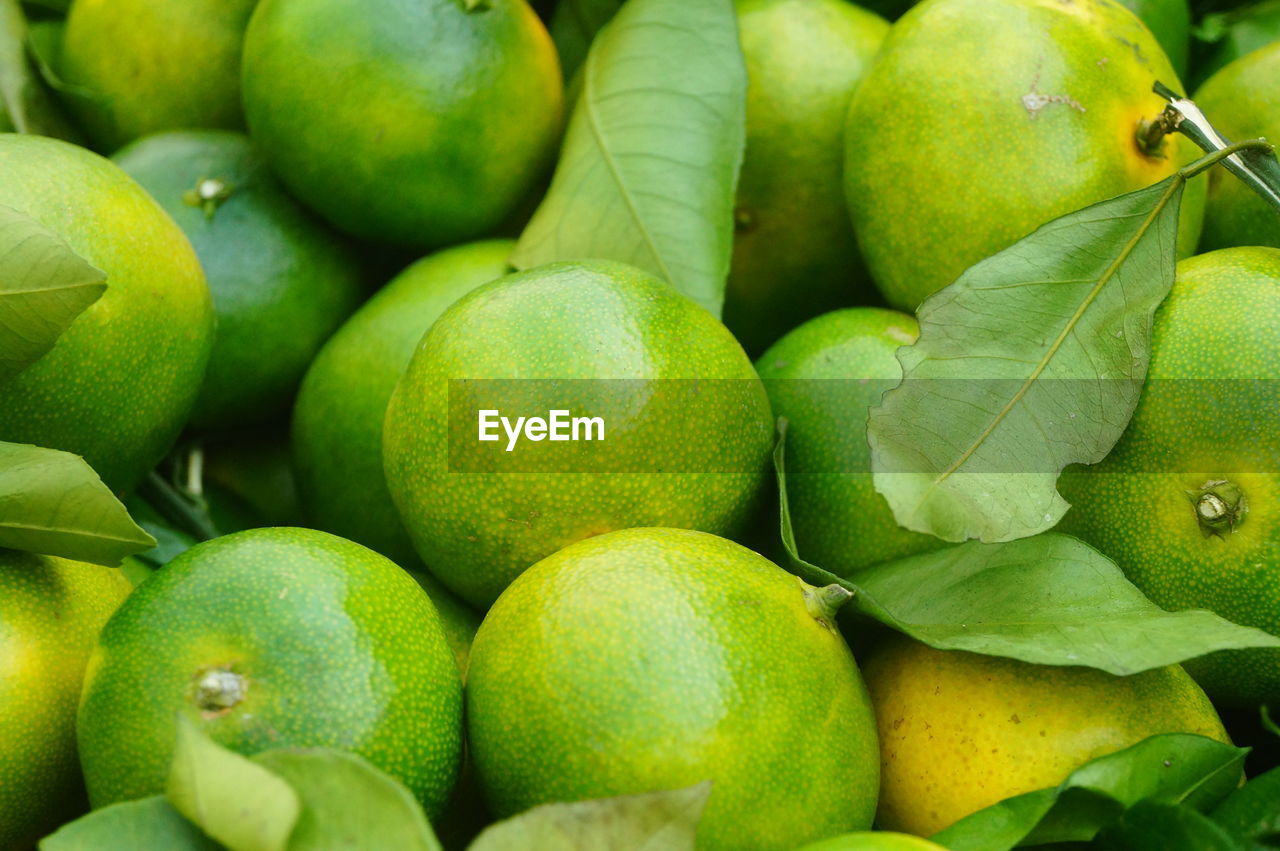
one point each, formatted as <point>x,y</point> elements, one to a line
<point>649,167</point>
<point>52,502</point>
<point>347,803</point>
<point>44,286</point>
<point>134,825</point>
<point>657,821</point>
<point>1174,768</point>
<point>30,105</point>
<point>1157,826</point>
<point>1251,814</point>
<point>231,798</point>
<point>574,25</point>
<point>1032,360</point>
<point>1049,600</point>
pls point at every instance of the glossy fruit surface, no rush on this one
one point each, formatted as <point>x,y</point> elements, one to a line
<point>658,658</point>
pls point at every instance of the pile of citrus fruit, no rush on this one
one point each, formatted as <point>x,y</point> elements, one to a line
<point>473,424</point>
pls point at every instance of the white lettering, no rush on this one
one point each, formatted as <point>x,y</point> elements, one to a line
<point>588,423</point>
<point>557,426</point>
<point>513,434</point>
<point>488,422</point>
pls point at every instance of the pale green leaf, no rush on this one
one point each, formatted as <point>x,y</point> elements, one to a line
<point>649,167</point>
<point>231,798</point>
<point>52,502</point>
<point>657,821</point>
<point>44,286</point>
<point>144,824</point>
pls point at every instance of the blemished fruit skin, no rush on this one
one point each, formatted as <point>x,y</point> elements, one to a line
<point>1243,102</point>
<point>475,527</point>
<point>954,151</point>
<point>119,383</point>
<point>1208,414</point>
<point>1170,23</point>
<point>337,420</point>
<point>824,377</point>
<point>51,611</point>
<point>794,253</point>
<point>281,281</point>
<point>418,124</point>
<point>226,635</point>
<point>143,66</point>
<point>960,731</point>
<point>880,840</point>
<point>650,659</point>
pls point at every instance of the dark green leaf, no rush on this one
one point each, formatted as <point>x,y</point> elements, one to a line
<point>1050,600</point>
<point>30,105</point>
<point>52,502</point>
<point>233,799</point>
<point>1174,768</point>
<point>151,823</point>
<point>1156,826</point>
<point>347,803</point>
<point>574,25</point>
<point>1033,359</point>
<point>170,542</point>
<point>44,286</point>
<point>649,167</point>
<point>1251,814</point>
<point>658,821</point>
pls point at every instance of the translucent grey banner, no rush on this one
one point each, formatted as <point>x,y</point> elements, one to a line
<point>1193,426</point>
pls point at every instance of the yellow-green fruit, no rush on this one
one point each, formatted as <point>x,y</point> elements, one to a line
<point>337,420</point>
<point>823,378</point>
<point>273,638</point>
<point>282,282</point>
<point>51,611</point>
<point>686,424</point>
<point>1188,502</point>
<point>458,620</point>
<point>794,254</point>
<point>119,383</point>
<point>955,149</point>
<point>1243,102</point>
<point>142,66</point>
<point>420,124</point>
<point>960,731</point>
<point>879,840</point>
<point>651,659</point>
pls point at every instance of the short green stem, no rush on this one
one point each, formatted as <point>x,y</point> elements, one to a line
<point>1210,160</point>
<point>824,602</point>
<point>1220,506</point>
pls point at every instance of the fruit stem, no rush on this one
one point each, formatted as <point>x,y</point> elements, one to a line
<point>219,690</point>
<point>209,194</point>
<point>1219,505</point>
<point>824,602</point>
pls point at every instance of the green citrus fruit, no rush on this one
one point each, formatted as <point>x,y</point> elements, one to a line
<point>794,252</point>
<point>337,421</point>
<point>1226,35</point>
<point>686,437</point>
<point>459,621</point>
<point>316,642</point>
<point>650,659</point>
<point>879,840</point>
<point>824,377</point>
<point>255,469</point>
<point>954,151</point>
<point>143,66</point>
<point>1243,102</point>
<point>419,123</point>
<point>121,380</point>
<point>1170,23</point>
<point>1188,502</point>
<point>51,611</point>
<point>960,731</point>
<point>281,282</point>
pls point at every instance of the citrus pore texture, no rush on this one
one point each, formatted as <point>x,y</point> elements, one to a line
<point>51,610</point>
<point>421,123</point>
<point>960,731</point>
<point>650,659</point>
<point>955,150</point>
<point>337,420</point>
<point>877,840</point>
<point>281,281</point>
<point>794,253</point>
<point>671,460</point>
<point>119,383</point>
<point>332,644</point>
<point>1207,415</point>
<point>824,377</point>
<point>142,66</point>
<point>1243,100</point>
